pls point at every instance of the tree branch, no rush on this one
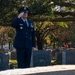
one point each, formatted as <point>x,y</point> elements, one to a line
<point>67,4</point>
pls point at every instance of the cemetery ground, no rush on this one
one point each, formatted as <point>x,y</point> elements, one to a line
<point>57,58</point>
<point>13,63</point>
<point>45,58</point>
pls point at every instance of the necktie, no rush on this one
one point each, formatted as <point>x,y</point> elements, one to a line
<point>26,23</point>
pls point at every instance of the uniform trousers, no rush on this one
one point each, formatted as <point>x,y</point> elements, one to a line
<point>23,57</point>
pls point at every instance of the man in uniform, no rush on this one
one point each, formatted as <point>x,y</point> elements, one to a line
<point>24,41</point>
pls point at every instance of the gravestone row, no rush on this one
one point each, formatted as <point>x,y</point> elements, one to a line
<point>65,57</point>
<point>39,58</point>
<point>68,57</point>
<point>42,58</point>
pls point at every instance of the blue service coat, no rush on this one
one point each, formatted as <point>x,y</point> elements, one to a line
<point>25,35</point>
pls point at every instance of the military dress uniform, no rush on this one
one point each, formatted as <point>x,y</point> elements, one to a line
<point>24,41</point>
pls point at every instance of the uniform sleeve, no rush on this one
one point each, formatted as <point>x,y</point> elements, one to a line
<point>14,23</point>
<point>33,38</point>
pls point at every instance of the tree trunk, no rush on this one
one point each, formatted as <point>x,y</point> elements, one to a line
<point>39,41</point>
<point>54,43</point>
<point>39,44</point>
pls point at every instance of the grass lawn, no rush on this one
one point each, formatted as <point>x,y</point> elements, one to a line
<point>13,63</point>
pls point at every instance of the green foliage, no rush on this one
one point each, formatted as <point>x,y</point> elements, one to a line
<point>62,24</point>
<point>73,38</point>
<point>58,1</point>
<point>72,1</point>
<point>8,9</point>
<point>39,7</point>
<point>13,63</point>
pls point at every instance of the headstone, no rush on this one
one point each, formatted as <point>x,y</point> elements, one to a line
<point>4,60</point>
<point>13,55</point>
<point>63,57</point>
<point>58,57</point>
<point>68,57</point>
<point>41,58</point>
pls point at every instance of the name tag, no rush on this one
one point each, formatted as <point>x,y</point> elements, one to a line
<point>21,24</point>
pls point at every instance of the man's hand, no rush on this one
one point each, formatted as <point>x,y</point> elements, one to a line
<point>21,14</point>
<point>33,48</point>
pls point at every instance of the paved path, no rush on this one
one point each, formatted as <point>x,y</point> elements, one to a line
<point>48,70</point>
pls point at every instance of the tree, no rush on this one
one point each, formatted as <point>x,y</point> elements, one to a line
<point>5,34</point>
<point>43,12</point>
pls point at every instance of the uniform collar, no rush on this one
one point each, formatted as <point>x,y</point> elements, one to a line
<point>24,20</point>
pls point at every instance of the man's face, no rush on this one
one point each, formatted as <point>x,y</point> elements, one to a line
<point>25,15</point>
